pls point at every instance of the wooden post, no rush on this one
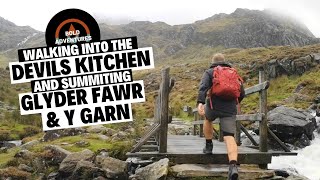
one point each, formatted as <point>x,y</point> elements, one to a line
<point>157,114</point>
<point>196,118</point>
<point>237,135</point>
<point>164,105</point>
<point>263,129</point>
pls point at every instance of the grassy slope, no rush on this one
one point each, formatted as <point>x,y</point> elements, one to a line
<point>188,65</point>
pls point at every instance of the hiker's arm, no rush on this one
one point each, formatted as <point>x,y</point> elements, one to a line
<point>242,93</point>
<point>205,85</point>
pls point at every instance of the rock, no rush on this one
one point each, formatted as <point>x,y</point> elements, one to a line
<point>218,171</point>
<point>290,124</point>
<point>69,163</point>
<point>24,167</point>
<point>54,134</point>
<point>114,168</point>
<point>176,129</point>
<point>97,129</point>
<point>53,176</point>
<point>82,143</point>
<point>157,170</point>
<point>110,132</point>
<point>302,142</point>
<point>30,144</point>
<point>86,170</point>
<point>119,136</point>
<point>58,153</point>
<point>247,142</point>
<point>101,156</point>
<point>24,154</point>
<point>103,137</point>
<point>3,150</point>
<point>281,173</point>
<point>297,177</point>
<point>297,97</point>
<point>14,173</point>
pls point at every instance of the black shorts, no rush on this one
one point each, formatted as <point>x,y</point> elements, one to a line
<point>227,123</point>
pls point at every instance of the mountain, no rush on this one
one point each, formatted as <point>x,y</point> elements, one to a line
<point>12,35</point>
<point>241,29</point>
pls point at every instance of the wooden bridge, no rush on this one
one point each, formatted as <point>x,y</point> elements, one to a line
<point>157,144</point>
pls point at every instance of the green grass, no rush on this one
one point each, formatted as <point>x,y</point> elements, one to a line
<point>6,157</point>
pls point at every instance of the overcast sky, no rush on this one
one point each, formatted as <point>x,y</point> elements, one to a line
<point>37,13</point>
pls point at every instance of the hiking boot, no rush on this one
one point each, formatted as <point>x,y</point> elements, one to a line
<point>208,148</point>
<point>233,172</point>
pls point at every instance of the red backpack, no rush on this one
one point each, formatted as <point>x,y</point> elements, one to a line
<point>226,83</point>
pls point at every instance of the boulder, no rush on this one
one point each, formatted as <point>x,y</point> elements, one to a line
<point>30,144</point>
<point>97,129</point>
<point>69,163</point>
<point>103,137</point>
<point>114,168</point>
<point>86,170</point>
<point>24,154</point>
<point>101,156</point>
<point>3,150</point>
<point>55,134</point>
<point>24,167</point>
<point>82,143</point>
<point>157,170</point>
<point>53,176</point>
<point>186,171</point>
<point>58,153</point>
<point>119,136</point>
<point>290,125</point>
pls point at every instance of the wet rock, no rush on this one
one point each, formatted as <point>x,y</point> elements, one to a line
<point>69,163</point>
<point>186,171</point>
<point>157,170</point>
<point>114,168</point>
<point>291,124</point>
<point>281,173</point>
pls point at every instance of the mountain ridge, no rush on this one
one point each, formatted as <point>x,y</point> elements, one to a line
<point>242,28</point>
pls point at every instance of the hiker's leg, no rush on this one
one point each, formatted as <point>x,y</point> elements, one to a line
<point>232,148</point>
<point>207,129</point>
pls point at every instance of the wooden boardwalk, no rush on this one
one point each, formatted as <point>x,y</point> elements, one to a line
<point>188,149</point>
<point>157,144</point>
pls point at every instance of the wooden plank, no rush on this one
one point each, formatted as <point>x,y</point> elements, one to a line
<point>257,88</point>
<point>284,147</point>
<point>164,106</point>
<point>150,147</point>
<point>242,117</point>
<point>180,158</point>
<point>146,138</point>
<point>248,135</point>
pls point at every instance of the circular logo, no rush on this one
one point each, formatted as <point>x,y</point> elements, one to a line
<point>72,26</point>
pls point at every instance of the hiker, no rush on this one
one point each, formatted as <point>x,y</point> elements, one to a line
<point>221,105</point>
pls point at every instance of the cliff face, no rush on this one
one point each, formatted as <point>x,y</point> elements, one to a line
<point>240,29</point>
<point>12,36</point>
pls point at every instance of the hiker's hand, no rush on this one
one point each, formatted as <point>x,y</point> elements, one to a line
<point>201,109</point>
